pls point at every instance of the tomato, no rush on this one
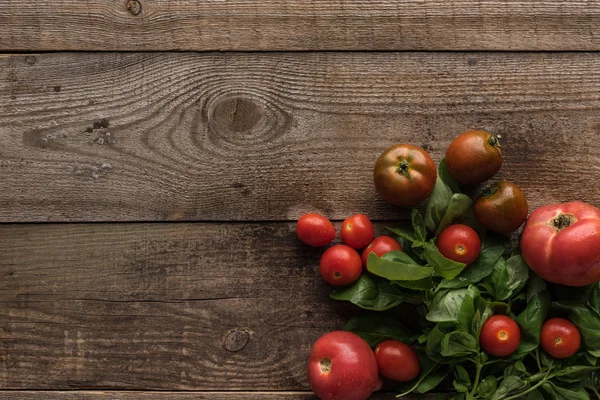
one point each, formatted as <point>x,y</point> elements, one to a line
<point>404,175</point>
<point>459,243</point>
<point>502,207</point>
<point>340,265</point>
<point>474,157</point>
<point>397,361</point>
<point>315,230</point>
<point>561,243</point>
<point>500,336</point>
<point>342,366</point>
<point>560,338</point>
<point>357,231</point>
<point>380,246</point>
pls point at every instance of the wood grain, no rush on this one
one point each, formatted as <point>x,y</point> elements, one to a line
<point>159,307</point>
<point>299,25</point>
<point>234,137</point>
<point>114,395</point>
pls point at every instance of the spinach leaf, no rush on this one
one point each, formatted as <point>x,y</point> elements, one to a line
<point>403,233</point>
<point>444,267</point>
<point>481,268</point>
<point>462,380</point>
<point>458,344</point>
<point>446,305</point>
<point>532,318</point>
<point>440,198</point>
<point>431,381</point>
<point>588,322</point>
<point>397,266</point>
<point>371,293</point>
<point>593,297</point>
<point>418,226</point>
<point>421,284</point>
<point>487,386</point>
<point>374,329</point>
<point>507,277</point>
<point>458,208</point>
<point>575,371</point>
<point>535,395</point>
<point>431,375</point>
<point>571,392</point>
<point>510,385</point>
<point>473,312</point>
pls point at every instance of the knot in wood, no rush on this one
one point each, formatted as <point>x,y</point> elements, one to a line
<point>134,7</point>
<point>235,340</point>
<point>236,114</point>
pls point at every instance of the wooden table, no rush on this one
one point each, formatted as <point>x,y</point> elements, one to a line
<point>148,196</point>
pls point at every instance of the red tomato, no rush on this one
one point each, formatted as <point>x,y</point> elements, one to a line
<point>342,366</point>
<point>500,336</point>
<point>340,265</point>
<point>502,207</point>
<point>459,243</point>
<point>357,231</point>
<point>315,230</point>
<point>561,243</point>
<point>380,246</point>
<point>404,175</point>
<point>560,338</point>
<point>474,157</point>
<point>397,361</point>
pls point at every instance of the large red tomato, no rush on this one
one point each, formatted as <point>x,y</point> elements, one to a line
<point>561,243</point>
<point>342,366</point>
<point>404,175</point>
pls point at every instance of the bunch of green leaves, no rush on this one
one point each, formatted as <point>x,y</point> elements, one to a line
<point>451,303</point>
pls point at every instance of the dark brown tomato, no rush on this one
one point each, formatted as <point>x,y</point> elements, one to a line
<point>404,175</point>
<point>502,207</point>
<point>474,157</point>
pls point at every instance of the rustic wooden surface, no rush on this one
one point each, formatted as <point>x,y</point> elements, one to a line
<point>219,137</point>
<point>300,25</point>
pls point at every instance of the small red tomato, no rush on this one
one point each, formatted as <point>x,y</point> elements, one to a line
<point>560,338</point>
<point>315,230</point>
<point>340,265</point>
<point>357,231</point>
<point>500,336</point>
<point>397,361</point>
<point>459,243</point>
<point>380,246</point>
<point>342,367</point>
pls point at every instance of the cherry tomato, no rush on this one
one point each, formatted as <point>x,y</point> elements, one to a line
<point>560,338</point>
<point>315,230</point>
<point>404,175</point>
<point>340,265</point>
<point>474,157</point>
<point>357,231</point>
<point>502,207</point>
<point>380,246</point>
<point>397,361</point>
<point>459,243</point>
<point>500,336</point>
<point>561,243</point>
<point>342,366</point>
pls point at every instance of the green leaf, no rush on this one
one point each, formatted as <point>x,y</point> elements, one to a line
<point>440,198</point>
<point>418,224</point>
<point>403,233</point>
<point>593,297</point>
<point>535,395</point>
<point>588,322</point>
<point>590,358</point>
<point>444,267</point>
<point>430,376</point>
<point>431,381</point>
<point>458,344</point>
<point>375,329</point>
<point>481,268</point>
<point>510,385</point>
<point>371,293</point>
<point>487,386</point>
<point>571,392</point>
<point>421,284</point>
<point>575,370</point>
<point>462,380</point>
<point>507,277</point>
<point>458,208</point>
<point>530,321</point>
<point>473,312</point>
<point>397,266</point>
<point>446,305</point>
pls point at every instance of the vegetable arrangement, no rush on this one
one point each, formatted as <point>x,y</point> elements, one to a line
<point>453,302</point>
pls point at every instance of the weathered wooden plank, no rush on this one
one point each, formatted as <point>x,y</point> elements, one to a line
<point>160,306</point>
<point>121,137</point>
<point>114,395</point>
<point>300,25</point>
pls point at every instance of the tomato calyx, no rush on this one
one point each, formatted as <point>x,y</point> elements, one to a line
<point>494,141</point>
<point>403,169</point>
<point>325,365</point>
<point>490,190</point>
<point>563,221</point>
